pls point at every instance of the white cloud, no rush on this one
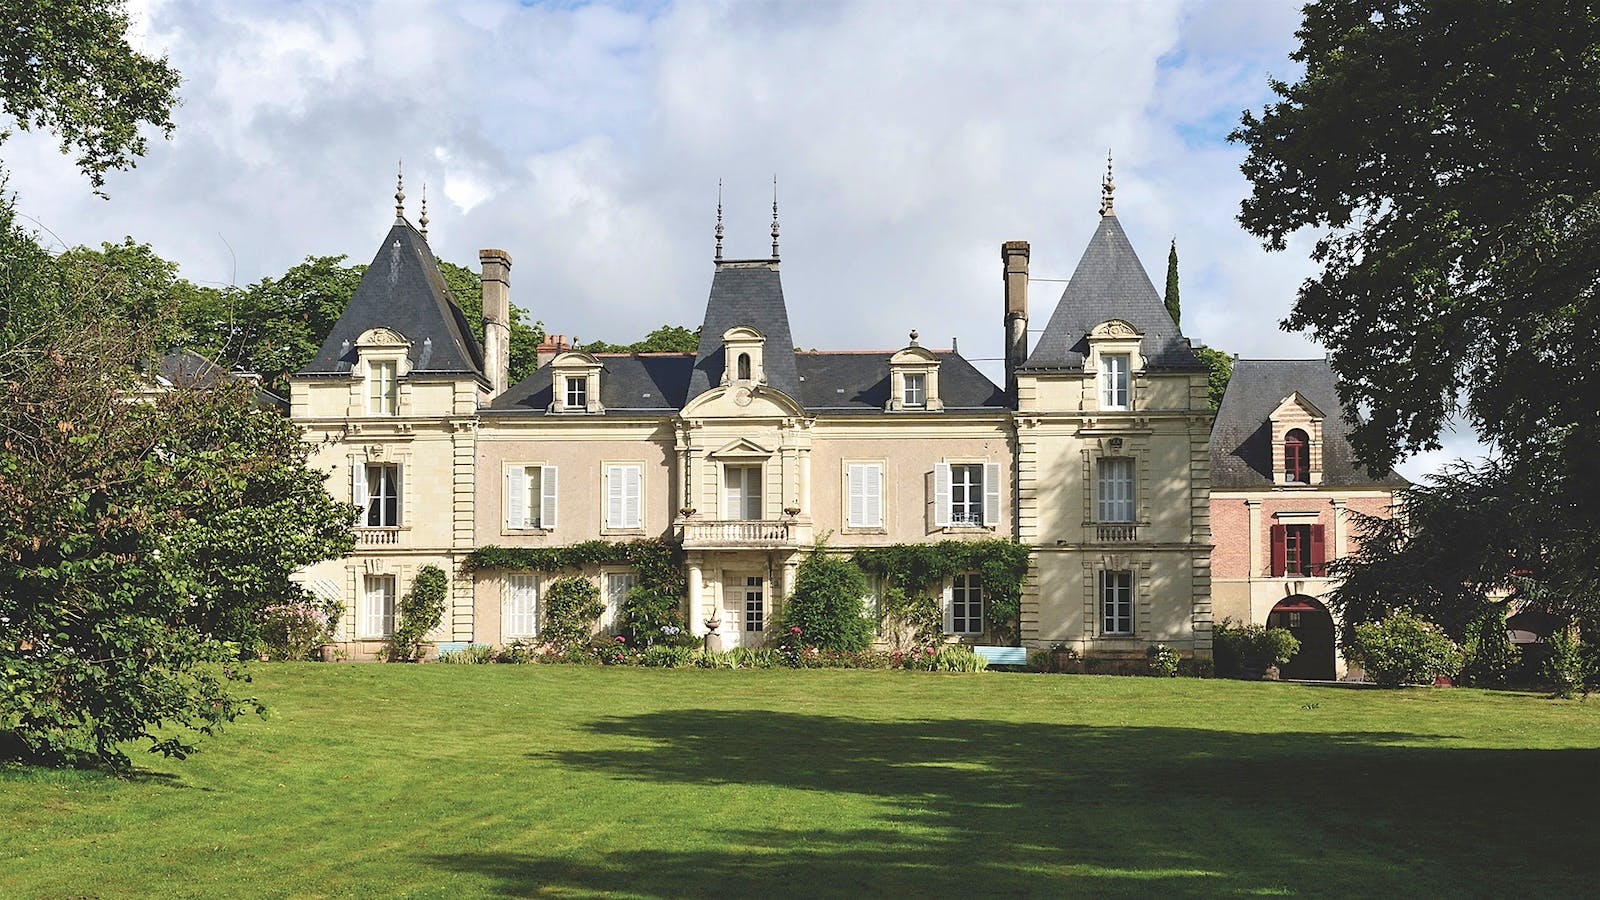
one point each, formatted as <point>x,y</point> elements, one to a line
<point>910,140</point>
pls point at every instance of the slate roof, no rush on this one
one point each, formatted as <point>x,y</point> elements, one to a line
<point>830,383</point>
<point>187,369</point>
<point>746,292</point>
<point>403,290</point>
<point>1241,436</point>
<point>1109,283</point>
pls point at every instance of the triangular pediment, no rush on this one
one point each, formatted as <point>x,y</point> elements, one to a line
<point>742,448</point>
<point>1296,405</point>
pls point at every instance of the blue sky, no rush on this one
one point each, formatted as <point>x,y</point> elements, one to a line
<point>910,140</point>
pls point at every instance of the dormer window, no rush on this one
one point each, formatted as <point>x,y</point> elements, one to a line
<point>1114,381</point>
<point>914,379</point>
<point>575,384</point>
<point>742,348</point>
<point>1297,457</point>
<point>744,367</point>
<point>384,390</point>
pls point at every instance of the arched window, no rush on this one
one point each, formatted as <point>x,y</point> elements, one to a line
<point>1297,457</point>
<point>744,367</point>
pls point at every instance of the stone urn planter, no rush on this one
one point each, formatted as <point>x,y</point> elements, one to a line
<point>328,653</point>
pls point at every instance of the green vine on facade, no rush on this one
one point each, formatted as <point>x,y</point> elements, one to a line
<point>910,571</point>
<point>658,563</point>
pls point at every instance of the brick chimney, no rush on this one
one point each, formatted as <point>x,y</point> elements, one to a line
<point>496,281</point>
<point>1014,255</point>
<point>554,345</point>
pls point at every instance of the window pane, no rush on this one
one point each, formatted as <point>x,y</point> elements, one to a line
<point>1115,490</point>
<point>916,389</point>
<point>522,607</point>
<point>1116,602</point>
<point>754,605</point>
<point>966,495</point>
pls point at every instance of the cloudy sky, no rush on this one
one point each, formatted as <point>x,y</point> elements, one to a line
<point>909,140</point>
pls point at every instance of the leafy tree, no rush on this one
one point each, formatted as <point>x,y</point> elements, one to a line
<point>1448,157</point>
<point>1172,284</point>
<point>826,604</point>
<point>66,66</point>
<point>137,540</point>
<point>666,339</point>
<point>1221,366</point>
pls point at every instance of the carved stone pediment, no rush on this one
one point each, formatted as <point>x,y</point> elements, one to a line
<point>1114,328</point>
<point>382,337</point>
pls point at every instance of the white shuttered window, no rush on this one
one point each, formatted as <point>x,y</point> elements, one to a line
<point>623,500</point>
<point>966,494</point>
<point>1114,487</point>
<point>865,495</point>
<point>522,606</point>
<point>377,607</point>
<point>531,497</point>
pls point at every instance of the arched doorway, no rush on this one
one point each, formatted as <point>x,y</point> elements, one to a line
<point>1312,625</point>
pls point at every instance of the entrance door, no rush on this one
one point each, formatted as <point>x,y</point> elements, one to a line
<point>744,611</point>
<point>1312,625</point>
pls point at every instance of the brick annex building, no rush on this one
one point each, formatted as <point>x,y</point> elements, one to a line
<point>1097,455</point>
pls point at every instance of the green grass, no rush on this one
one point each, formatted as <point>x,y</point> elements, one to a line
<point>521,780</point>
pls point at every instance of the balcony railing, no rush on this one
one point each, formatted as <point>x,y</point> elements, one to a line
<point>738,532</point>
<point>1116,534</point>
<point>377,537</point>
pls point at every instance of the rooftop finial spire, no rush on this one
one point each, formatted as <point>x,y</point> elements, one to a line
<point>719,219</point>
<point>423,219</point>
<point>399,190</point>
<point>1108,189</point>
<point>774,217</point>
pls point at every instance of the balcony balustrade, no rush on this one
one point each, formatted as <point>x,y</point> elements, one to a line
<point>377,537</point>
<point>738,533</point>
<point>1116,534</point>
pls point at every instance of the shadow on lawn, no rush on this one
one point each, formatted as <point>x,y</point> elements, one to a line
<point>1029,809</point>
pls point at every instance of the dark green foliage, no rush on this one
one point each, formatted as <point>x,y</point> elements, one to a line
<point>826,605</point>
<point>1403,649</point>
<point>659,564</point>
<point>1489,659</point>
<point>1173,305</point>
<point>1162,660</point>
<point>1221,366</point>
<point>1568,667</point>
<point>421,611</point>
<point>666,339</point>
<point>913,574</point>
<point>652,616</point>
<point>1236,647</point>
<point>1448,155</point>
<point>572,608</point>
<point>66,66</point>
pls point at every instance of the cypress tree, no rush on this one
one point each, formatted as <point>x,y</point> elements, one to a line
<point>1172,282</point>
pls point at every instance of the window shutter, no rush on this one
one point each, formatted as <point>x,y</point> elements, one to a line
<point>400,494</point>
<point>516,497</point>
<point>630,505</point>
<point>547,497</point>
<point>1279,551</point>
<point>614,502</point>
<point>873,496</point>
<point>991,494</point>
<point>1319,550</point>
<point>941,495</point>
<point>949,609</point>
<point>858,496</point>
<point>358,490</point>
<point>732,492</point>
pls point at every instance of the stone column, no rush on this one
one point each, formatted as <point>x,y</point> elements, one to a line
<point>805,482</point>
<point>1255,537</point>
<point>697,625</point>
<point>1341,530</point>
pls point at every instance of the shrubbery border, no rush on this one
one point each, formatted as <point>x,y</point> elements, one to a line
<point>914,568</point>
<point>658,563</point>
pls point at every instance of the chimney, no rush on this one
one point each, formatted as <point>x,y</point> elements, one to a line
<point>554,345</point>
<point>1014,254</point>
<point>496,281</point>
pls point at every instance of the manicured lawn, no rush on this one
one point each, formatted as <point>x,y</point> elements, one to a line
<point>494,780</point>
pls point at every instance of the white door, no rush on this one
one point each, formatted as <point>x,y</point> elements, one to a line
<point>744,611</point>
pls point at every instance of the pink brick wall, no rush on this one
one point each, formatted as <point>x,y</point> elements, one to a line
<point>1230,526</point>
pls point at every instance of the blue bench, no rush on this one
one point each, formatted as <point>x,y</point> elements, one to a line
<point>1003,656</point>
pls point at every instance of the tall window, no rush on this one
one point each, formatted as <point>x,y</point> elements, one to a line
<point>1114,487</point>
<point>377,607</point>
<point>531,497</point>
<point>385,392</point>
<point>1114,381</point>
<point>754,604</point>
<point>1116,602</point>
<point>916,392</point>
<point>744,367</point>
<point>1297,457</point>
<point>866,495</point>
<point>1297,558</point>
<point>966,495</point>
<point>618,584</point>
<point>382,495</point>
<point>522,606</point>
<point>1299,550</point>
<point>577,392</point>
<point>966,604</point>
<point>743,492</point>
<point>623,488</point>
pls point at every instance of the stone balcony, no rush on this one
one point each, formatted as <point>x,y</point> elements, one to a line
<point>377,537</point>
<point>1116,534</point>
<point>716,534</point>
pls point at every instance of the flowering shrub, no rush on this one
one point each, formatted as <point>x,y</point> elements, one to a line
<point>1162,660</point>
<point>1404,649</point>
<point>292,630</point>
<point>613,651</point>
<point>572,607</point>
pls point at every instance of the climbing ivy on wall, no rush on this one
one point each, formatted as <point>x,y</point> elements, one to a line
<point>658,563</point>
<point>914,570</point>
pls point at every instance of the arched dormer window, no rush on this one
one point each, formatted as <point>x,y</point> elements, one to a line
<point>1297,457</point>
<point>742,346</point>
<point>744,367</point>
